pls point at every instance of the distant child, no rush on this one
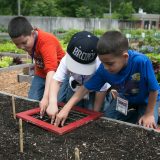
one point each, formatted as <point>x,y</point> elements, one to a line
<point>128,72</point>
<point>45,50</point>
<point>79,63</point>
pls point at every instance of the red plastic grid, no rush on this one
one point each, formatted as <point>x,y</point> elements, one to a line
<point>90,116</point>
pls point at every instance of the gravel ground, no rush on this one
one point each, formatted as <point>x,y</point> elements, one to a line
<point>9,83</point>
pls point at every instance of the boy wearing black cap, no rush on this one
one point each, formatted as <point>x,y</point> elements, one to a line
<point>79,63</point>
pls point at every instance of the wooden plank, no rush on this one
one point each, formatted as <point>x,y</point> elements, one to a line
<point>20,66</point>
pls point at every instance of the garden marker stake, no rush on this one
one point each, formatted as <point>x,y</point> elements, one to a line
<point>20,135</point>
<point>77,157</point>
<point>13,107</point>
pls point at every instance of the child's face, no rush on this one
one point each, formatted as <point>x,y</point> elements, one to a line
<point>114,64</point>
<point>25,42</point>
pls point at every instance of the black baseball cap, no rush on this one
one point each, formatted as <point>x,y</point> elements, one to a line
<point>82,53</point>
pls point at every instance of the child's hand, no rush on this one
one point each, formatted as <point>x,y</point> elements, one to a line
<point>114,93</point>
<point>43,105</point>
<point>52,110</point>
<point>61,117</point>
<point>148,121</point>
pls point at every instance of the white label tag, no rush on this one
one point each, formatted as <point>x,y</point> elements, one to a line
<point>122,105</point>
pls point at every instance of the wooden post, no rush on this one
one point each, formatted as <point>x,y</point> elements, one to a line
<point>77,157</point>
<point>20,135</point>
<point>13,107</point>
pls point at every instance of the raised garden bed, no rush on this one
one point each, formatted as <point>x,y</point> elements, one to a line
<point>99,140</point>
<point>9,83</point>
<point>15,67</point>
<point>12,61</point>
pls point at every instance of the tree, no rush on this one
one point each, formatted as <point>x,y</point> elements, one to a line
<point>44,8</point>
<point>83,11</point>
<point>68,7</point>
<point>74,8</point>
<point>147,5</point>
<point>6,7</point>
<point>125,11</point>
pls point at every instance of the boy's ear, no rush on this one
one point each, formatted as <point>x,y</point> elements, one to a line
<point>125,55</point>
<point>33,32</point>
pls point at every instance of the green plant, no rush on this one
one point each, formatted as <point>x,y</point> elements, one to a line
<point>69,34</point>
<point>64,45</point>
<point>155,58</point>
<point>98,32</point>
<point>3,29</point>
<point>125,11</point>
<point>5,61</point>
<point>10,47</point>
<point>83,11</point>
<point>60,30</point>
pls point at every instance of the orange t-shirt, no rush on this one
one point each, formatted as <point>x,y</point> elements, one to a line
<point>48,53</point>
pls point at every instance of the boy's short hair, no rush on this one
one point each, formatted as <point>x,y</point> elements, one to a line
<point>19,26</point>
<point>112,42</point>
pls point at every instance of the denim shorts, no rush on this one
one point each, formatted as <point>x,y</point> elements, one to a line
<point>37,88</point>
<point>133,115</point>
<point>65,93</point>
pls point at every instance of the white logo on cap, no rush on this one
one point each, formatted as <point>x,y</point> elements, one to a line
<point>83,55</point>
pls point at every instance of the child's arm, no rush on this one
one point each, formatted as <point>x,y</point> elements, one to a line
<point>147,120</point>
<point>63,114</point>
<point>44,101</point>
<point>99,99</point>
<point>52,108</point>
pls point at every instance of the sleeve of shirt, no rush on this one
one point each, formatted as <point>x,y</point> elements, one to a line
<point>105,87</point>
<point>96,82</point>
<point>151,78</point>
<point>61,71</point>
<point>49,55</point>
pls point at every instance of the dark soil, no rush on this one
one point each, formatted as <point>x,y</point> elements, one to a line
<point>99,140</point>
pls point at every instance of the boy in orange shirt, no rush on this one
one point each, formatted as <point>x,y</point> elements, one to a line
<point>45,50</point>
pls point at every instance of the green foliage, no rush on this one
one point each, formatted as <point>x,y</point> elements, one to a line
<point>147,5</point>
<point>83,11</point>
<point>60,30</point>
<point>154,57</point>
<point>151,41</point>
<point>8,59</point>
<point>5,8</point>
<point>125,11</point>
<point>98,32</point>
<point>44,8</point>
<point>68,7</point>
<point>73,8</point>
<point>158,77</point>
<point>150,35</point>
<point>5,61</point>
<point>115,15</point>
<point>3,29</point>
<point>3,64</point>
<point>64,45</point>
<point>69,34</point>
<point>10,47</point>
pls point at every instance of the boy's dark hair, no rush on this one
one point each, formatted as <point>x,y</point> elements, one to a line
<point>19,26</point>
<point>112,42</point>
